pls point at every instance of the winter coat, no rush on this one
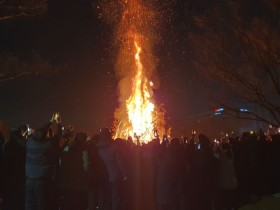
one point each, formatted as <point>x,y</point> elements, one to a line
<point>110,154</point>
<point>42,157</point>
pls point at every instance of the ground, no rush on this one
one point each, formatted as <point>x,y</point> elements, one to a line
<point>265,203</point>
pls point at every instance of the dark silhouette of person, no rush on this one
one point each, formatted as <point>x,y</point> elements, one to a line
<point>204,175</point>
<point>227,178</point>
<point>98,177</point>
<point>110,154</point>
<point>73,174</point>
<point>169,176</point>
<point>42,155</point>
<point>275,158</point>
<point>14,169</point>
<point>247,165</point>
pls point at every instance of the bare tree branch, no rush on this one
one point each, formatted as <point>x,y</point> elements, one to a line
<point>15,67</point>
<point>241,53</point>
<point>10,10</point>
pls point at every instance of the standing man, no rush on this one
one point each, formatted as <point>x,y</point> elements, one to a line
<point>42,155</point>
<point>110,154</point>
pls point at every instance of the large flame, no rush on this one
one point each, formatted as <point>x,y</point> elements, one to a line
<point>138,116</point>
<point>139,107</point>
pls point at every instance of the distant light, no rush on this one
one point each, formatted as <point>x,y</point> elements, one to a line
<point>251,132</point>
<point>218,113</point>
<point>219,110</point>
<point>243,110</point>
<point>279,130</point>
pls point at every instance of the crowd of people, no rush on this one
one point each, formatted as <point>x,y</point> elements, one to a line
<point>56,168</point>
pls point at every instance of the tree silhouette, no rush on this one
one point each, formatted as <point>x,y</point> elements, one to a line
<point>237,46</point>
<point>15,66</point>
<point>12,9</point>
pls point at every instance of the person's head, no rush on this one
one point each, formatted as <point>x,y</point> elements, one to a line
<point>105,137</point>
<point>129,140</point>
<point>119,141</point>
<point>80,139</point>
<point>51,129</point>
<point>175,142</point>
<point>21,131</point>
<point>248,137</point>
<point>68,134</point>
<point>46,132</point>
<point>204,142</point>
<point>165,141</point>
<point>156,141</point>
<point>227,149</point>
<point>95,139</point>
<point>225,146</point>
<point>105,133</point>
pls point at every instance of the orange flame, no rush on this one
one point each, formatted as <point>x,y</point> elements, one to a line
<point>139,107</point>
<point>137,116</point>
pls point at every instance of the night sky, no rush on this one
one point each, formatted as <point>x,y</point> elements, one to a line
<point>85,90</point>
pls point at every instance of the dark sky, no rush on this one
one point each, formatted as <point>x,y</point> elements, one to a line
<point>85,92</point>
